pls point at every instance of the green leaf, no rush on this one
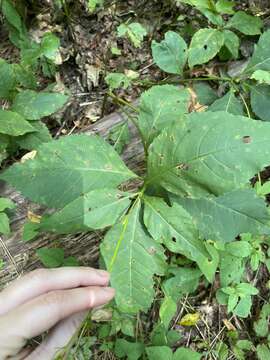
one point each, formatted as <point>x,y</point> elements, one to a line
<point>263,352</point>
<point>8,79</point>
<point>184,281</point>
<point>4,224</point>
<point>65,169</point>
<point>33,105</point>
<point>246,24</point>
<point>197,3</point>
<point>228,103</point>
<point>260,59</point>
<point>261,325</point>
<point>231,42</point>
<point>14,124</point>
<point>262,76</point>
<point>160,107</point>
<point>132,257</point>
<point>205,45</point>
<point>240,210</point>
<point>211,152</point>
<point>239,248</point>
<point>117,80</point>
<point>30,231</point>
<point>246,289</point>
<point>186,354</point>
<point>242,309</point>
<point>12,16</point>
<point>93,4</point>
<point>70,261</point>
<point>170,54</point>
<point>173,227</point>
<point>159,353</point>
<point>119,136</point>
<point>33,140</point>
<point>134,31</point>
<point>50,44</point>
<point>124,348</point>
<point>259,99</point>
<point>6,204</point>
<point>94,210</point>
<point>205,94</point>
<point>52,257</point>
<point>231,269</point>
<point>225,7</point>
<point>167,311</point>
<point>232,302</point>
<point>2,264</point>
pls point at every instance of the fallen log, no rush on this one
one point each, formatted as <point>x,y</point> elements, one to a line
<point>19,256</point>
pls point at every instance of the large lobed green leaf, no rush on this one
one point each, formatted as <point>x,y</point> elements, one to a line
<point>132,257</point>
<point>160,107</point>
<point>209,153</point>
<point>225,217</point>
<point>65,169</point>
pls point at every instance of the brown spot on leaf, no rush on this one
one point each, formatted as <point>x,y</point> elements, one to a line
<point>246,139</point>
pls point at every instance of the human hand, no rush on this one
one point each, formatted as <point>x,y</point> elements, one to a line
<point>48,299</point>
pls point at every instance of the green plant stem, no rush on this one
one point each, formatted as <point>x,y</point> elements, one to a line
<point>179,81</point>
<point>125,103</point>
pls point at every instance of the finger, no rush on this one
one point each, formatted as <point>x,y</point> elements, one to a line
<point>41,281</point>
<point>58,338</point>
<point>45,311</point>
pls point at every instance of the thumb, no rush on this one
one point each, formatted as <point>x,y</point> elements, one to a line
<point>58,338</point>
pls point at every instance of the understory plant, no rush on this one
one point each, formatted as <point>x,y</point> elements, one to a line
<point>195,216</point>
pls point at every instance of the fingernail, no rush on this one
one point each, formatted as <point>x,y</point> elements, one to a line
<point>103,273</point>
<point>109,291</point>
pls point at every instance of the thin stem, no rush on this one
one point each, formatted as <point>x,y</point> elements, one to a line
<point>122,101</point>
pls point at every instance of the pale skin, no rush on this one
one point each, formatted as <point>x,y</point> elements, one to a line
<point>53,300</point>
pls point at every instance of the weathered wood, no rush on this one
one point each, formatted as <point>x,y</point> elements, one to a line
<point>20,256</point>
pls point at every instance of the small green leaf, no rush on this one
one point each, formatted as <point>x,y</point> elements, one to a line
<point>231,269</point>
<point>259,98</point>
<point>117,81</point>
<point>50,46</point>
<point>30,231</point>
<point>167,311</point>
<point>225,7</point>
<point>131,350</point>
<point>160,107</point>
<point>228,103</point>
<point>262,76</point>
<point>159,353</point>
<point>12,123</point>
<point>4,224</point>
<point>261,325</point>
<point>246,24</point>
<point>240,248</point>
<point>6,204</point>
<point>171,53</point>
<point>246,289</point>
<point>213,17</point>
<point>232,302</point>
<point>231,42</point>
<point>134,31</point>
<point>70,261</point>
<point>260,59</point>
<point>33,105</point>
<point>119,136</point>
<point>186,354</point>
<point>242,309</point>
<point>263,352</point>
<point>51,257</point>
<point>205,45</point>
